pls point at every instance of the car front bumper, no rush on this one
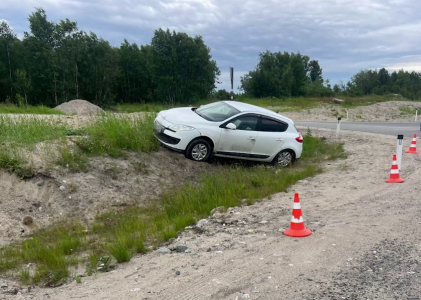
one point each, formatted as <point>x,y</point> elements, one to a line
<point>176,140</point>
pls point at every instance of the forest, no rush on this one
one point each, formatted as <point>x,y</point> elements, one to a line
<point>56,62</point>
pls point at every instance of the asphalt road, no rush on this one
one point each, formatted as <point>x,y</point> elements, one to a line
<point>407,129</point>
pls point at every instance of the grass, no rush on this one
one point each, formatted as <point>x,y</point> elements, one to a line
<point>405,110</point>
<point>28,109</point>
<point>353,102</point>
<point>112,135</point>
<point>72,159</point>
<point>28,130</point>
<point>140,107</point>
<point>18,138</point>
<point>277,104</point>
<point>109,134</point>
<point>119,233</point>
<point>13,161</point>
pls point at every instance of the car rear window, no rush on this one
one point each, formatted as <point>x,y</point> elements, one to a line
<point>269,125</point>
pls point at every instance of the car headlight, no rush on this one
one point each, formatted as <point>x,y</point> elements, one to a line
<point>179,127</point>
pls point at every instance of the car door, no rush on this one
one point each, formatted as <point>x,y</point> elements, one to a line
<point>240,141</point>
<point>271,136</point>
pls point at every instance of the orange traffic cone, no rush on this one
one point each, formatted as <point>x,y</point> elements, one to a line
<point>413,147</point>
<point>297,228</point>
<point>394,172</point>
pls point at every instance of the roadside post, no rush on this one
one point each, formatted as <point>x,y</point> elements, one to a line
<point>399,151</point>
<point>347,115</point>
<point>416,114</point>
<point>338,127</point>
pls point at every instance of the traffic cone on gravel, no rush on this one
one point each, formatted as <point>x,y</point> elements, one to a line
<point>413,147</point>
<point>297,228</point>
<point>394,173</point>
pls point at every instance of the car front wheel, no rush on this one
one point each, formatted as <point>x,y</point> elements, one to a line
<point>284,158</point>
<point>199,150</point>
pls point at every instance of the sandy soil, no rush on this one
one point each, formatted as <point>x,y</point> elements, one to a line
<point>366,241</point>
<point>59,194</point>
<point>393,111</point>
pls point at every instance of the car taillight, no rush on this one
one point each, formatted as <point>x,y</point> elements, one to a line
<point>299,139</point>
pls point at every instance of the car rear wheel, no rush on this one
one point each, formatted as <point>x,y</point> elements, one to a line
<point>199,150</point>
<point>284,158</point>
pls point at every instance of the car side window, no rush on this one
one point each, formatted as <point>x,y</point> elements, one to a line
<point>246,123</point>
<point>269,125</point>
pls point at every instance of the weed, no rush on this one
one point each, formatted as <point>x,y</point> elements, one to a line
<point>103,263</point>
<point>78,279</point>
<point>72,187</point>
<point>120,249</point>
<point>72,159</point>
<point>25,276</point>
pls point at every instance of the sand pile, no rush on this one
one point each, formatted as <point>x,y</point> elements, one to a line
<point>79,107</point>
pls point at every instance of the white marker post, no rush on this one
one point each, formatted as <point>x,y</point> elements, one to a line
<point>416,114</point>
<point>338,127</point>
<point>399,151</point>
<point>347,115</point>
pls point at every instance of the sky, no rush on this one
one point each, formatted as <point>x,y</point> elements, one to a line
<point>345,36</point>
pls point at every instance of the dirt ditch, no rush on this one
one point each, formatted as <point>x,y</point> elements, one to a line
<point>60,194</point>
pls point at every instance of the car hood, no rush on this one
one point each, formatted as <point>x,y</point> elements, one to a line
<point>181,115</point>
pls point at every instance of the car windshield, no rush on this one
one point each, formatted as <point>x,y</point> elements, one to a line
<point>216,112</point>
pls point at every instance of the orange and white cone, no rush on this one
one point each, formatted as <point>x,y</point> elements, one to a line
<point>394,173</point>
<point>297,228</point>
<point>413,147</point>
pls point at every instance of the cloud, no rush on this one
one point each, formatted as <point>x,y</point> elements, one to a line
<point>344,35</point>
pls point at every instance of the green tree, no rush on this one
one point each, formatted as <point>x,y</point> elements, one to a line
<point>183,69</point>
<point>8,59</point>
<point>281,74</point>
<point>315,70</point>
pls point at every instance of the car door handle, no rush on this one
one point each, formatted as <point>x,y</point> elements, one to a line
<point>279,140</point>
<point>252,138</point>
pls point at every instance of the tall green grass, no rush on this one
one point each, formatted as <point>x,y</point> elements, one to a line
<point>28,109</point>
<point>18,138</point>
<point>112,134</point>
<point>122,232</point>
<point>29,130</point>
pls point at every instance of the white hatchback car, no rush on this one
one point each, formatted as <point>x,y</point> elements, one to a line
<point>229,129</point>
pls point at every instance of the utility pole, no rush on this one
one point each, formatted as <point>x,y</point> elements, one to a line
<point>232,82</point>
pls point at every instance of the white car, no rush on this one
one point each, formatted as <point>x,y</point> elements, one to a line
<point>229,129</point>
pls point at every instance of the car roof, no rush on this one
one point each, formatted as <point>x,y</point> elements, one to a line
<point>245,107</point>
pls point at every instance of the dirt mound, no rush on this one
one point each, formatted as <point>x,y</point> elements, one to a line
<point>79,107</point>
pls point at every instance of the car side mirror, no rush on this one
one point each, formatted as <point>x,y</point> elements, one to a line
<point>231,126</point>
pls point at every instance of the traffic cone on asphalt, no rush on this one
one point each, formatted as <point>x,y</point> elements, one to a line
<point>297,228</point>
<point>413,147</point>
<point>394,173</point>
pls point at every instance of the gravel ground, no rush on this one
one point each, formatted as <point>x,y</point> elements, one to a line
<point>365,242</point>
